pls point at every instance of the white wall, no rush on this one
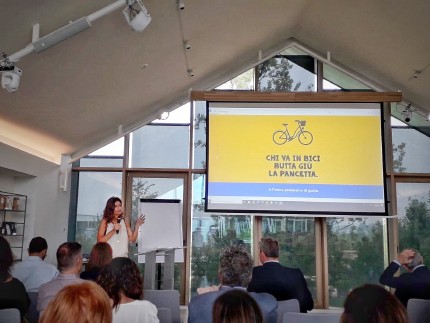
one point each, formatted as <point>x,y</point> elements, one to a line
<point>47,205</point>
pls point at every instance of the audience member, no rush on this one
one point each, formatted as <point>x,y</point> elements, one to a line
<point>12,291</point>
<point>123,283</point>
<point>373,304</point>
<point>100,256</point>
<point>115,229</point>
<point>413,284</point>
<point>282,282</point>
<point>236,306</point>
<point>33,271</point>
<point>234,273</point>
<point>86,302</point>
<point>69,260</point>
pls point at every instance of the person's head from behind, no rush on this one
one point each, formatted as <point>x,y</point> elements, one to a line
<point>69,257</point>
<point>6,259</point>
<point>111,204</point>
<point>236,306</point>
<point>85,302</point>
<point>373,304</point>
<point>38,247</point>
<point>269,248</point>
<point>235,267</point>
<point>100,256</point>
<point>416,259</point>
<point>121,276</point>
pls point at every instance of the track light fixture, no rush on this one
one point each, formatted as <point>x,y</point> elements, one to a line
<point>181,4</point>
<point>136,15</point>
<point>10,75</point>
<point>407,113</point>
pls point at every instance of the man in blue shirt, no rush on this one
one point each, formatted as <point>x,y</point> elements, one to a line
<point>33,271</point>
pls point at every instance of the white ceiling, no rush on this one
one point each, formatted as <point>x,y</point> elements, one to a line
<point>73,97</point>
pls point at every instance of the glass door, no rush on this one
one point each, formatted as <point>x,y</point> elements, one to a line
<point>142,185</point>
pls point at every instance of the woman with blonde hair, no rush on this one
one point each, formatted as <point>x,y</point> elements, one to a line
<point>83,302</point>
<point>373,304</point>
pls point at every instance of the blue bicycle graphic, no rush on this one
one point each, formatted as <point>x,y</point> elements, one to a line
<point>280,137</point>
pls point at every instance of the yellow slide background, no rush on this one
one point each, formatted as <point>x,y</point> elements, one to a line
<point>349,149</point>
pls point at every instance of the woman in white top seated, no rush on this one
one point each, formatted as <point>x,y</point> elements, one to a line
<point>123,283</point>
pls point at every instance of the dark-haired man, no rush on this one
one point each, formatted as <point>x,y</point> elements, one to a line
<point>33,271</point>
<point>69,260</point>
<point>413,284</point>
<point>282,282</point>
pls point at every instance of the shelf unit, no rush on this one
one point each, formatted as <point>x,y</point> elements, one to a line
<point>13,208</point>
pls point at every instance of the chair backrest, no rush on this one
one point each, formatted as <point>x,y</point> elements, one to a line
<point>165,299</point>
<point>311,317</point>
<point>289,305</point>
<point>418,310</point>
<point>10,315</point>
<point>33,313</point>
<point>164,315</point>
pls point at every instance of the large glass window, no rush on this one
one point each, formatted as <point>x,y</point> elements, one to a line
<point>111,155</point>
<point>199,149</point>
<point>355,254</point>
<point>94,190</point>
<point>160,146</point>
<point>411,149</point>
<point>287,73</point>
<point>148,187</point>
<point>413,209</point>
<point>335,79</point>
<point>210,235</point>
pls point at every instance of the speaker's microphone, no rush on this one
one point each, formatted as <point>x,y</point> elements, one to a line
<point>118,221</point>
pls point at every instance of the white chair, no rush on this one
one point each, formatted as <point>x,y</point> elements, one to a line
<point>165,299</point>
<point>418,310</point>
<point>289,305</point>
<point>10,315</point>
<point>311,317</point>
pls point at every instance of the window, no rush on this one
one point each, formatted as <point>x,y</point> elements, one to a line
<point>413,209</point>
<point>94,190</point>
<point>210,235</point>
<point>355,254</point>
<point>111,155</point>
<point>296,237</point>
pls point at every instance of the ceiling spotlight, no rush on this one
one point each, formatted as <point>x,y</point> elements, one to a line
<point>187,45</point>
<point>181,4</point>
<point>136,15</point>
<point>190,73</point>
<point>10,75</point>
<point>407,113</point>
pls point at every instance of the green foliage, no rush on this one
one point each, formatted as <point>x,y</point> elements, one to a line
<point>399,153</point>
<point>205,259</point>
<point>355,255</point>
<point>415,227</point>
<point>274,75</point>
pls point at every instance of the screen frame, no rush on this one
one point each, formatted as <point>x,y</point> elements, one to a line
<point>286,212</point>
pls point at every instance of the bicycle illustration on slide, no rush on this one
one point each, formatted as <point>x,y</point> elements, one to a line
<point>280,137</point>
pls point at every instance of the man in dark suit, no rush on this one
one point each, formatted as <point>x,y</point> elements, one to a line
<point>281,282</point>
<point>234,273</point>
<point>413,284</point>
